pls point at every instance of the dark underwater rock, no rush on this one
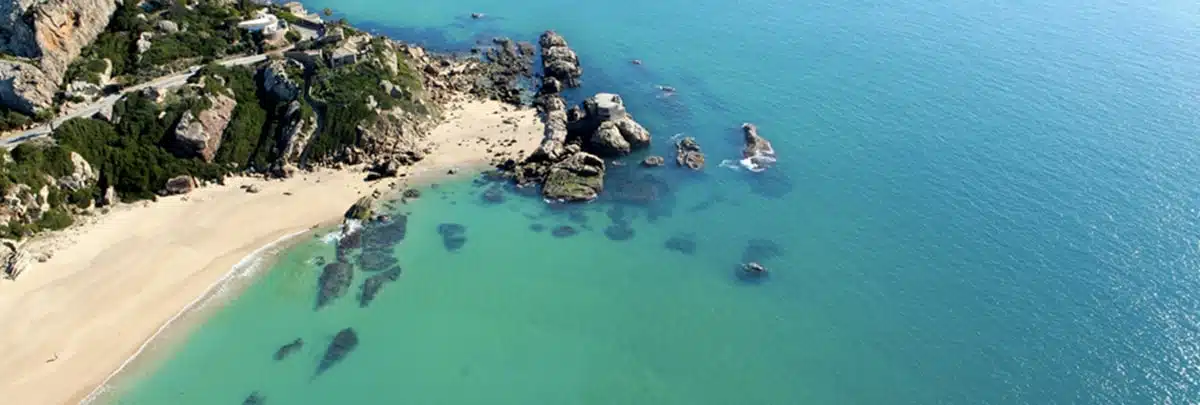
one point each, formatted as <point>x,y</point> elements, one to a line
<point>681,244</point>
<point>494,194</point>
<point>287,349</point>
<point>770,184</point>
<point>411,193</point>
<point>342,345</point>
<point>618,232</point>
<point>453,236</point>
<point>352,240</point>
<point>334,282</point>
<point>759,250</point>
<point>383,235</point>
<point>579,177</point>
<point>577,217</point>
<point>537,227</point>
<point>564,231</point>
<point>376,260</point>
<point>374,284</point>
<point>618,215</point>
<point>255,399</point>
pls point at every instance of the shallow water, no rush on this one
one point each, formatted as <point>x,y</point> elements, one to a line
<point>975,203</point>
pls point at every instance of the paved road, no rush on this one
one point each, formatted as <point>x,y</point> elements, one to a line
<point>162,82</point>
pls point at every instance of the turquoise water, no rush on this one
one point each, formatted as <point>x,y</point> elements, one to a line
<point>976,202</point>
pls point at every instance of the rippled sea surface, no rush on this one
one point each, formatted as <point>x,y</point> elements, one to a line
<point>975,202</point>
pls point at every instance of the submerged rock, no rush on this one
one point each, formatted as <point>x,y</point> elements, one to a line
<point>758,250</point>
<point>681,244</point>
<point>334,282</point>
<point>254,399</point>
<point>287,349</point>
<point>494,194</point>
<point>342,345</point>
<point>411,193</point>
<point>537,227</point>
<point>376,260</point>
<point>382,235</point>
<point>453,236</point>
<point>618,232</point>
<point>374,284</point>
<point>579,177</point>
<point>564,231</point>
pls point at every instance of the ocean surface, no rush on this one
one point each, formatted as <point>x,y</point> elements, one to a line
<point>975,202</point>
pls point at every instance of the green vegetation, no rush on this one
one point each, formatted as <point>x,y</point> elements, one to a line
<point>12,120</point>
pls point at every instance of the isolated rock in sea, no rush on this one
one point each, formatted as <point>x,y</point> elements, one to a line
<point>653,161</point>
<point>757,151</point>
<point>255,399</point>
<point>334,282</point>
<point>558,60</point>
<point>52,34</point>
<point>687,154</point>
<point>287,349</point>
<point>618,232</point>
<point>681,244</point>
<point>180,185</point>
<point>453,236</point>
<point>374,284</point>
<point>752,271</point>
<point>199,135</point>
<point>361,210</point>
<point>476,16</point>
<point>564,231</point>
<point>344,343</point>
<point>579,177</point>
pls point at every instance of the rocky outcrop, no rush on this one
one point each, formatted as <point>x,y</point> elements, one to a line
<point>653,161</point>
<point>333,283</point>
<point>687,154</point>
<point>579,177</point>
<point>361,210</point>
<point>559,62</point>
<point>394,138</point>
<point>612,131</point>
<point>199,135</point>
<point>276,81</point>
<point>555,133</point>
<point>757,154</point>
<point>179,185</point>
<point>51,34</point>
<point>13,260</point>
<point>511,62</point>
<point>375,283</point>
<point>81,176</point>
<point>295,134</point>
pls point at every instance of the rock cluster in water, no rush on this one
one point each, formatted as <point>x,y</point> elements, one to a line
<point>560,65</point>
<point>333,283</point>
<point>687,154</point>
<point>757,153</point>
<point>341,346</point>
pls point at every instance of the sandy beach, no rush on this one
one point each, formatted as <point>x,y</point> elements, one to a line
<point>116,279</point>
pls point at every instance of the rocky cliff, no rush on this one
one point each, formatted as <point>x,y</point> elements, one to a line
<point>50,34</point>
<point>560,65</point>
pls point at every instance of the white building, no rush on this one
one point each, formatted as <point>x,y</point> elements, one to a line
<point>263,21</point>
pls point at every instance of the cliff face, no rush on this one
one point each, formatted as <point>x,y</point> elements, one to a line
<point>51,33</point>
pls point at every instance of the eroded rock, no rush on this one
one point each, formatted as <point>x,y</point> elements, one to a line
<point>343,343</point>
<point>333,283</point>
<point>199,135</point>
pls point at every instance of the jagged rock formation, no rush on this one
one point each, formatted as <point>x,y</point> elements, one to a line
<point>560,65</point>
<point>361,210</point>
<point>510,62</point>
<point>687,154</point>
<point>653,161</point>
<point>294,135</point>
<point>276,81</point>
<point>757,154</point>
<point>51,34</point>
<point>391,137</point>
<point>555,133</point>
<point>12,259</point>
<point>497,79</point>
<point>612,131</point>
<point>81,177</point>
<point>579,177</point>
<point>200,134</point>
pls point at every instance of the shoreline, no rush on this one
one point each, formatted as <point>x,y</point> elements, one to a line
<point>117,281</point>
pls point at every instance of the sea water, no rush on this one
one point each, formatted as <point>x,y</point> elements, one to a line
<point>975,202</point>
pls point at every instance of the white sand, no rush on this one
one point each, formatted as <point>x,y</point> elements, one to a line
<point>115,280</point>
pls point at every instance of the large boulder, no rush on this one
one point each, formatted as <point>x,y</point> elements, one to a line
<point>180,185</point>
<point>607,140</point>
<point>51,34</point>
<point>558,60</point>
<point>396,137</point>
<point>276,80</point>
<point>579,177</point>
<point>688,154</point>
<point>81,176</point>
<point>199,135</point>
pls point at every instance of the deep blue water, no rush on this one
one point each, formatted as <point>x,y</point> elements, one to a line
<point>978,202</point>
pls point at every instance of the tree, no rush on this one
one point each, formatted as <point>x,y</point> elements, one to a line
<point>327,11</point>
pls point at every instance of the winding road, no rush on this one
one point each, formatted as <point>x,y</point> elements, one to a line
<point>12,140</point>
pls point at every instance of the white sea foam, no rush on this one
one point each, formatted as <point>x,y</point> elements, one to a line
<point>249,265</point>
<point>348,227</point>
